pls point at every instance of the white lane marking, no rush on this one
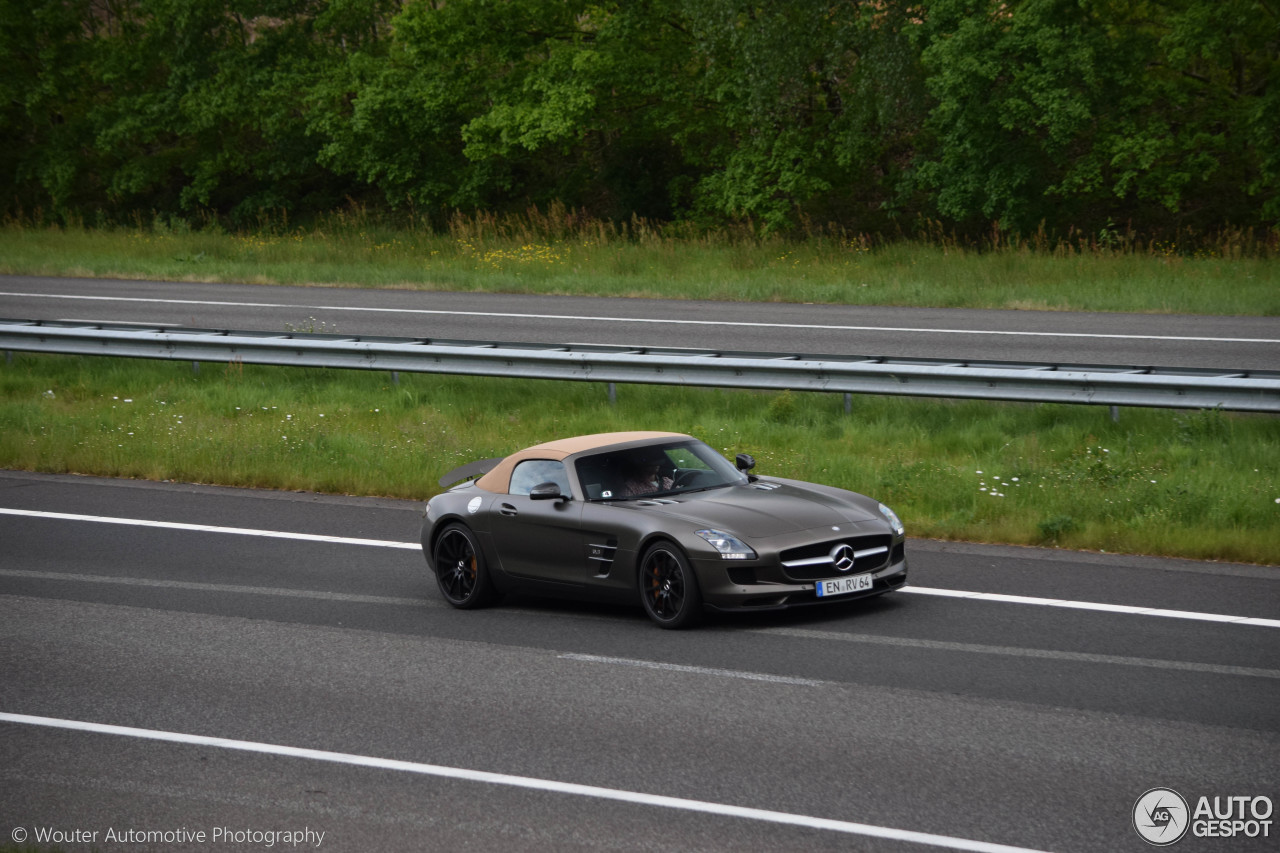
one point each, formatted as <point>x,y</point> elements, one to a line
<point>1091,605</point>
<point>696,670</point>
<point>345,597</point>
<point>647,320</point>
<point>527,782</point>
<point>207,528</point>
<point>134,322</point>
<point>918,590</point>
<point>1014,651</point>
<point>800,633</point>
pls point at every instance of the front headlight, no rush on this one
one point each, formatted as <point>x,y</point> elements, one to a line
<point>894,521</point>
<point>729,546</point>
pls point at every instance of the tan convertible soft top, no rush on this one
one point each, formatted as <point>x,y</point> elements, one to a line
<point>499,479</point>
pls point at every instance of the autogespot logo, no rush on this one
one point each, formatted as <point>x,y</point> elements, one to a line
<point>1160,816</point>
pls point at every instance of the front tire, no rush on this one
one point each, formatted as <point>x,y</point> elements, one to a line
<point>668,588</point>
<point>461,572</point>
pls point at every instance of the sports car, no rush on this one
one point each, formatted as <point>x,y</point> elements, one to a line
<point>659,517</point>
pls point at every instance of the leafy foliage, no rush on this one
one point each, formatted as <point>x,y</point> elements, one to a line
<point>1125,109</point>
<point>867,114</point>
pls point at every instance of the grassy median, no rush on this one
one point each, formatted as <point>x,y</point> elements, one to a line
<point>1229,274</point>
<point>1192,484</point>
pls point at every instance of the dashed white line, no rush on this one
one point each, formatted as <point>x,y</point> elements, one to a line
<point>208,528</point>
<point>1014,651</point>
<point>547,785</point>
<point>665,321</point>
<point>238,589</point>
<point>780,631</point>
<point>917,590</point>
<point>696,670</point>
<point>134,322</point>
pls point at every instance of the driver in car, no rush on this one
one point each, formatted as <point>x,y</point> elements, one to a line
<point>645,477</point>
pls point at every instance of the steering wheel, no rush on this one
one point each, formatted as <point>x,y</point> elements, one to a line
<point>684,478</point>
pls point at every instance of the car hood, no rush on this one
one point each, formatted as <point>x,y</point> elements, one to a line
<point>765,509</point>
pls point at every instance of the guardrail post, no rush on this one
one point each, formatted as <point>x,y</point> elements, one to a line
<point>195,368</point>
<point>395,377</point>
<point>848,403</point>
<point>1115,414</point>
<point>613,394</point>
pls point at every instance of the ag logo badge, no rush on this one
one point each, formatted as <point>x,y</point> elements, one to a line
<point>1161,817</point>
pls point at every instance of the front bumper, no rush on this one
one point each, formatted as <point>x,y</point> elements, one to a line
<point>764,584</point>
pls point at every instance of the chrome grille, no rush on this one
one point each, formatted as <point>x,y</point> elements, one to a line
<point>832,558</point>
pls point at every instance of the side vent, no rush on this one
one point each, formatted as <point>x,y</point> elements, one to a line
<point>600,556</point>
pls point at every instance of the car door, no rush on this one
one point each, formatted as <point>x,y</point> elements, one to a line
<point>538,539</point>
<point>610,538</point>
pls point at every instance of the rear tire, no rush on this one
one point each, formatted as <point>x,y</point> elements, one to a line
<point>668,589</point>
<point>461,572</point>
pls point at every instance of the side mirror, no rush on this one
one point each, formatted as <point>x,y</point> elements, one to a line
<point>745,462</point>
<point>546,492</point>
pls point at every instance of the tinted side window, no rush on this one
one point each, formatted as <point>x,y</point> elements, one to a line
<point>534,472</point>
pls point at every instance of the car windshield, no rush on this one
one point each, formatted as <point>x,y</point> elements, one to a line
<point>655,470</point>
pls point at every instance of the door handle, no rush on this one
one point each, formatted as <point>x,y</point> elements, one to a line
<point>508,510</point>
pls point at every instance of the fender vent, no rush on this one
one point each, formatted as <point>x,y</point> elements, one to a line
<point>600,556</point>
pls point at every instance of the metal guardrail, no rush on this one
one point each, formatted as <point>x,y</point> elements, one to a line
<point>1161,387</point>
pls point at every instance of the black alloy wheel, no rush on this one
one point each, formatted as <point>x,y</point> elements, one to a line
<point>460,569</point>
<point>668,589</point>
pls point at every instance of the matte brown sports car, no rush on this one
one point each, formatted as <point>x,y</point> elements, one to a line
<point>660,517</point>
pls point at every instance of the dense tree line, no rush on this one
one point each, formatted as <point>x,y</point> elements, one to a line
<point>873,114</point>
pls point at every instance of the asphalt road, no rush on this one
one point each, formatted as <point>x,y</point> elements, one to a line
<point>1238,343</point>
<point>973,721</point>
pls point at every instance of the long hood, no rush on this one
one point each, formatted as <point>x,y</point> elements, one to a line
<point>756,512</point>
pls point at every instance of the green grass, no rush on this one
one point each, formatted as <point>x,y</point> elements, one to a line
<point>1192,484</point>
<point>598,260</point>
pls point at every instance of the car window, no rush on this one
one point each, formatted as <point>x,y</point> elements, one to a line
<point>684,457</point>
<point>654,470</point>
<point>535,472</point>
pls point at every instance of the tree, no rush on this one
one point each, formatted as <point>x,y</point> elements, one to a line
<point>1065,110</point>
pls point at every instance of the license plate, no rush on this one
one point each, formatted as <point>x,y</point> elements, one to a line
<point>844,586</point>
